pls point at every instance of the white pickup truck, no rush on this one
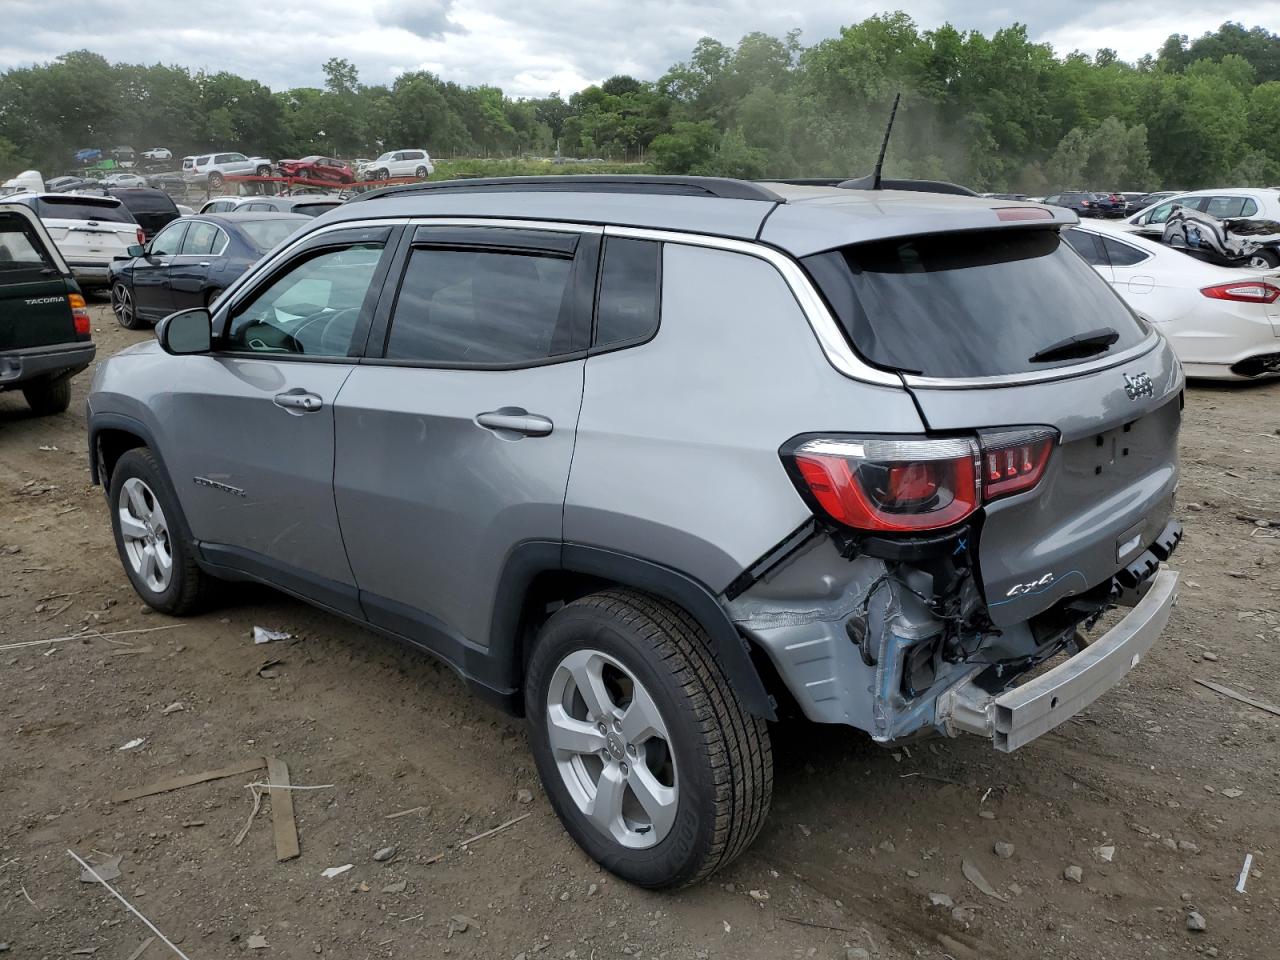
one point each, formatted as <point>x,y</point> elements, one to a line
<point>89,231</point>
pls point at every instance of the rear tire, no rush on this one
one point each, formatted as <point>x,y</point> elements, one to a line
<point>149,530</point>
<point>421,173</point>
<point>215,179</point>
<point>49,396</point>
<point>1264,260</point>
<point>700,807</point>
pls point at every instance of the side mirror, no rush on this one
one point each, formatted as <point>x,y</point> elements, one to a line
<point>136,250</point>
<point>186,332</point>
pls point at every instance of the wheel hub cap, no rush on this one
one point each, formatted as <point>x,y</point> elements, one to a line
<point>612,749</point>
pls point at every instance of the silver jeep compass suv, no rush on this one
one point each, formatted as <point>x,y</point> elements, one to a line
<point>651,461</point>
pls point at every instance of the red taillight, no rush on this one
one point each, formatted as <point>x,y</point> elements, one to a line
<point>142,237</point>
<point>79,314</point>
<point>903,486</point>
<point>1247,291</point>
<point>1086,203</point>
<point>1013,462</point>
<point>891,485</point>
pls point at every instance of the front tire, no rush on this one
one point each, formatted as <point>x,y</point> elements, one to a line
<point>150,539</point>
<point>49,396</point>
<point>124,308</point>
<point>383,174</point>
<point>650,760</point>
<point>264,171</point>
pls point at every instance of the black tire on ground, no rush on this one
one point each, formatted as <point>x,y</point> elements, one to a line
<point>723,760</point>
<point>48,396</point>
<point>421,173</point>
<point>124,308</point>
<point>189,586</point>
<point>210,298</point>
<point>383,174</point>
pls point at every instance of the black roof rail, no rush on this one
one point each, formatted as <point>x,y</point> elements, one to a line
<point>723,188</point>
<point>916,186</point>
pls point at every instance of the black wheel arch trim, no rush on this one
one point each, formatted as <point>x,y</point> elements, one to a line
<point>531,558</point>
<point>98,422</point>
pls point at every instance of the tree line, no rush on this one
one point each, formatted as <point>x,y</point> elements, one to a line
<point>997,113</point>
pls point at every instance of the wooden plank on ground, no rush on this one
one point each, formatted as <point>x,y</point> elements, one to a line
<point>282,822</point>
<point>176,783</point>
<point>1228,692</point>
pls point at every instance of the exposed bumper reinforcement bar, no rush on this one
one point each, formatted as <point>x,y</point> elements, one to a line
<point>1020,715</point>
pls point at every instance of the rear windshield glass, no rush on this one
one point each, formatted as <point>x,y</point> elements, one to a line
<point>313,209</point>
<point>82,208</point>
<point>265,234</point>
<point>968,305</point>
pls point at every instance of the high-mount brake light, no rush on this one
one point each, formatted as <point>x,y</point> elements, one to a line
<point>887,485</point>
<point>1245,291</point>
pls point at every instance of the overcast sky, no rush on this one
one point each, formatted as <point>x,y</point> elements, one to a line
<point>533,48</point>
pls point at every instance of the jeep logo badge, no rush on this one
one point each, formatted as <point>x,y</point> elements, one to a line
<point>1138,385</point>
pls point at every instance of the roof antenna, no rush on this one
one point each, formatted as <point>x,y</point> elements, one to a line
<point>875,177</point>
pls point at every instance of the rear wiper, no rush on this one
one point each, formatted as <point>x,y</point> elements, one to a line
<point>1081,345</point>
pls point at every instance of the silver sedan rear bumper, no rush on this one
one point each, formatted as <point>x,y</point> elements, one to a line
<point>1016,717</point>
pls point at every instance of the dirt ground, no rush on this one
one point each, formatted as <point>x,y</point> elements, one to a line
<point>1181,781</point>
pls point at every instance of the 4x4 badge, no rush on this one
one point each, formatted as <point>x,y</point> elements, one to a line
<point>1138,385</point>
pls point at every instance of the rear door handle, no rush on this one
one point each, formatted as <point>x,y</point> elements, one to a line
<point>305,402</point>
<point>515,420</point>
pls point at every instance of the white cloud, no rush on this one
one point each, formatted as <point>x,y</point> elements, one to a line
<point>530,49</point>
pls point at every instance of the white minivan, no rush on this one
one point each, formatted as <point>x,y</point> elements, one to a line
<point>89,231</point>
<point>401,163</point>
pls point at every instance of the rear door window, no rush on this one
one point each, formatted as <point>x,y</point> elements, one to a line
<point>464,307</point>
<point>1225,206</point>
<point>973,304</point>
<point>203,239</point>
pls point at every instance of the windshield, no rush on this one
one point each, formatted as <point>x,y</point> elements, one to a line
<point>82,208</point>
<point>266,234</point>
<point>21,251</point>
<point>386,156</point>
<point>973,304</point>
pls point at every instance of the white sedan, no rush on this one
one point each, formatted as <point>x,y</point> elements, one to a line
<point>1223,323</point>
<point>158,153</point>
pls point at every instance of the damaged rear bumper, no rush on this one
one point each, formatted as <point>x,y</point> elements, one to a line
<point>1020,715</point>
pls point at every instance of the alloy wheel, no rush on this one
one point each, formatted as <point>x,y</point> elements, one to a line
<point>122,304</point>
<point>145,533</point>
<point>612,749</point>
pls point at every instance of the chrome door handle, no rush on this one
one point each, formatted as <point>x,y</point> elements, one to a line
<point>306,402</point>
<point>515,420</point>
<point>203,263</point>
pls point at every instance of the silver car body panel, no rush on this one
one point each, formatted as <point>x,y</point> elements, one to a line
<point>689,476</point>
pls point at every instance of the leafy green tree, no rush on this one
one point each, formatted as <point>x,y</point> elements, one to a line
<point>688,146</point>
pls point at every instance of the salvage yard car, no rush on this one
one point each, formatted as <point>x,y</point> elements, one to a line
<point>89,231</point>
<point>45,336</point>
<point>1246,203</point>
<point>652,461</point>
<point>317,168</point>
<point>191,261</point>
<point>1223,323</point>
<point>214,168</point>
<point>400,163</point>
